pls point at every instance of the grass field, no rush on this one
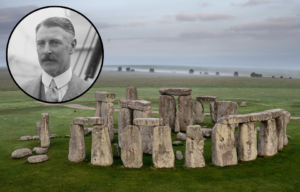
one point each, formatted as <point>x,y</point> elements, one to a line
<point>19,114</point>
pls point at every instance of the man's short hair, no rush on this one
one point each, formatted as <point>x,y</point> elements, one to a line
<point>61,22</point>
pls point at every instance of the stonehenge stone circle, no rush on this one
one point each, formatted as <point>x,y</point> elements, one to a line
<point>77,149</point>
<point>37,159</point>
<point>247,141</point>
<point>101,153</point>
<point>132,151</point>
<point>125,118</point>
<point>267,141</point>
<point>167,107</point>
<point>131,93</point>
<point>44,132</point>
<point>19,153</point>
<point>194,147</point>
<point>185,111</point>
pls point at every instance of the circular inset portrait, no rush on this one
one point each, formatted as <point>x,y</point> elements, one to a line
<point>54,54</point>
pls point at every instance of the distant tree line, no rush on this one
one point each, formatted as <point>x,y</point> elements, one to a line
<point>253,74</point>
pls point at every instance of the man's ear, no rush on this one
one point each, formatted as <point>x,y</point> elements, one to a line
<point>73,46</point>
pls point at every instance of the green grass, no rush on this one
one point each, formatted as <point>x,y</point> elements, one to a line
<point>19,114</point>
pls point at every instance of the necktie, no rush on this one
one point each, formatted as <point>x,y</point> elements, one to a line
<point>52,93</point>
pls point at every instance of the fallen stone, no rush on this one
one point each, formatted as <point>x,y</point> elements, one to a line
<point>88,120</point>
<point>125,118</point>
<point>199,112</point>
<point>141,105</point>
<point>131,93</point>
<point>175,91</point>
<point>275,113</point>
<point>267,141</point>
<point>163,155</point>
<point>257,129</point>
<point>35,137</point>
<point>247,141</point>
<point>77,151</point>
<point>116,151</point>
<point>167,110</point>
<point>53,135</point>
<point>67,136</point>
<point>148,121</point>
<point>179,155</point>
<point>44,132</point>
<point>204,127</point>
<point>19,153</point>
<point>280,134</point>
<point>132,150</point>
<point>207,98</point>
<point>181,136</point>
<point>177,143</point>
<point>24,138</point>
<point>206,132</point>
<point>101,153</point>
<point>223,146</point>
<point>194,147</point>
<point>185,111</point>
<point>105,97</point>
<point>177,126</point>
<point>243,104</point>
<point>37,159</point>
<point>98,109</point>
<point>40,150</point>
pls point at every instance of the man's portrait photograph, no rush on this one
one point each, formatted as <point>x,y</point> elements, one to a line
<point>55,54</point>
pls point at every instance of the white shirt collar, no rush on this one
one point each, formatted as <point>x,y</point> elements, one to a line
<point>60,80</point>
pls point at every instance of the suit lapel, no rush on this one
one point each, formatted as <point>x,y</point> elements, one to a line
<point>35,88</point>
<point>72,90</point>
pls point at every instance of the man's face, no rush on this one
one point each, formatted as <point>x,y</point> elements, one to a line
<point>54,48</point>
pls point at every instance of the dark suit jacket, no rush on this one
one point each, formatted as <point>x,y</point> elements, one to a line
<point>76,87</point>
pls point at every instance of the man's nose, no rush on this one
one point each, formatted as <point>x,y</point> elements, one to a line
<point>47,49</point>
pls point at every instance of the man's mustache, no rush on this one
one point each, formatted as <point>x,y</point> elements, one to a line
<point>47,58</point>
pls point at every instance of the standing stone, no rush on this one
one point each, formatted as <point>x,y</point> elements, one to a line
<point>223,145</point>
<point>77,149</point>
<point>131,93</point>
<point>98,109</point>
<point>280,134</point>
<point>163,155</point>
<point>179,155</point>
<point>224,108</point>
<point>146,131</point>
<point>44,132</point>
<point>101,148</point>
<point>116,151</point>
<point>185,111</point>
<point>286,120</point>
<point>38,128</point>
<point>247,141</point>
<point>213,112</point>
<point>235,110</point>
<point>167,107</point>
<point>107,113</point>
<point>132,151</point>
<point>177,126</point>
<point>199,112</point>
<point>194,147</point>
<point>267,141</point>
<point>243,104</point>
<point>125,118</point>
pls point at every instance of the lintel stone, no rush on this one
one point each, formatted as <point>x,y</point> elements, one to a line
<point>105,96</point>
<point>141,105</point>
<point>148,121</point>
<point>88,120</point>
<point>207,98</point>
<point>175,91</point>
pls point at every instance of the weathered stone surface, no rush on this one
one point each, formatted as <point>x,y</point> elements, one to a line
<point>146,131</point>
<point>163,155</point>
<point>175,91</point>
<point>181,136</point>
<point>40,150</point>
<point>286,120</point>
<point>179,155</point>
<point>132,151</point>
<point>167,107</point>
<point>125,118</point>
<point>257,129</point>
<point>37,159</point>
<point>223,146</point>
<point>19,153</point>
<point>98,109</point>
<point>275,112</point>
<point>141,105</point>
<point>234,119</point>
<point>199,112</point>
<point>247,141</point>
<point>105,96</point>
<point>101,153</point>
<point>107,113</point>
<point>86,131</point>
<point>177,126</point>
<point>90,129</point>
<point>111,134</point>
<point>206,132</point>
<point>243,104</point>
<point>131,93</point>
<point>194,147</point>
<point>67,136</point>
<point>235,108</point>
<point>44,132</point>
<point>280,134</point>
<point>53,135</point>
<point>267,141</point>
<point>148,121</point>
<point>224,108</point>
<point>77,149</point>
<point>116,151</point>
<point>177,143</point>
<point>35,137</point>
<point>88,120</point>
<point>213,112</point>
<point>25,138</point>
<point>185,111</point>
<point>38,128</point>
<point>116,131</point>
<point>207,98</point>
<point>261,116</point>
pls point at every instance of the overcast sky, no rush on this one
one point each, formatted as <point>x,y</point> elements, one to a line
<point>243,33</point>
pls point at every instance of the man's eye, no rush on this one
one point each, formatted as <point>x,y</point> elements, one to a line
<point>55,42</point>
<point>40,43</point>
